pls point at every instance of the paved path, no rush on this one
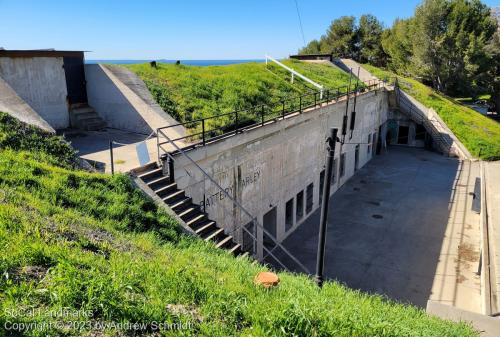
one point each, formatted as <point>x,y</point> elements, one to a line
<point>364,75</point>
<point>402,227</point>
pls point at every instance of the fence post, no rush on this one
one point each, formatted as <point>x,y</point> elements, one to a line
<point>237,122</point>
<point>111,157</point>
<point>315,99</point>
<point>171,173</point>
<point>283,113</point>
<point>300,104</point>
<point>203,130</point>
<point>338,94</point>
<point>327,96</point>
<point>262,113</point>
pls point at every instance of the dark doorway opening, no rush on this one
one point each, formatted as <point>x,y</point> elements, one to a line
<point>270,226</point>
<point>403,135</point>
<point>75,80</point>
<point>420,132</point>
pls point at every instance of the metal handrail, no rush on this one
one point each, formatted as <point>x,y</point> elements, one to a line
<point>235,202</point>
<point>276,110</point>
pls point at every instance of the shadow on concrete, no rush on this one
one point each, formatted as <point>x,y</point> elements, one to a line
<point>87,142</point>
<point>386,225</point>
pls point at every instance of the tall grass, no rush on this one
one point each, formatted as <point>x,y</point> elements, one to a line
<point>479,134</point>
<point>190,92</point>
<point>90,242</point>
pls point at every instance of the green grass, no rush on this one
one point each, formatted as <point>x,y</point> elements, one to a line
<point>480,134</point>
<point>91,242</point>
<point>190,92</point>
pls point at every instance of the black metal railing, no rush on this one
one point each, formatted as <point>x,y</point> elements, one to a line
<point>213,128</point>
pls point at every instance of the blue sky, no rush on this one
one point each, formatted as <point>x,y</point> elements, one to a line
<point>180,29</point>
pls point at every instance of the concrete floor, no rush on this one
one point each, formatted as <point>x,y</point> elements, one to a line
<point>94,146</point>
<point>402,227</point>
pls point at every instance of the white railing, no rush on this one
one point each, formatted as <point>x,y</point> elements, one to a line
<point>295,73</point>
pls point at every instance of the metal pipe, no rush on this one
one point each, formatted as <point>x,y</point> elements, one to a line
<point>111,155</point>
<point>320,259</point>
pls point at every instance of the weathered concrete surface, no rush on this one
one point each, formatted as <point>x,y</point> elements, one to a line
<point>402,227</point>
<point>486,325</point>
<point>449,143</point>
<point>348,64</point>
<point>123,100</point>
<point>492,182</point>
<point>94,146</point>
<point>41,83</point>
<point>14,105</point>
<point>267,166</point>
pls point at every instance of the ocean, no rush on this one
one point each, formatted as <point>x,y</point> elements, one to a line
<point>187,62</point>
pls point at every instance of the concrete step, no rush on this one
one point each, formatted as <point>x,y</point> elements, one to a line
<point>166,189</point>
<point>213,235</point>
<point>158,183</point>
<point>94,126</point>
<point>86,115</point>
<point>224,242</point>
<point>235,249</point>
<point>181,204</point>
<point>188,212</point>
<point>196,220</point>
<point>151,174</point>
<point>173,196</point>
<point>81,110</point>
<point>205,227</point>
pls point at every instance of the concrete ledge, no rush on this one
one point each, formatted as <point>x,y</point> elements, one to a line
<point>487,326</point>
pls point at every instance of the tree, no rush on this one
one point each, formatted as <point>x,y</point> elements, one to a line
<point>369,38</point>
<point>313,47</point>
<point>340,38</point>
<point>449,40</point>
<point>397,44</point>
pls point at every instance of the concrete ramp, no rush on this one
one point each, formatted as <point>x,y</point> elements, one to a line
<point>11,103</point>
<point>122,99</point>
<point>348,64</point>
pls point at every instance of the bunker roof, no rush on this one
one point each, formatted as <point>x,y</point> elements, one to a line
<point>40,53</point>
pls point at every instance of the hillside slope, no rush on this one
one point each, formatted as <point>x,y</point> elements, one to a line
<point>80,252</point>
<point>191,92</point>
<point>480,134</point>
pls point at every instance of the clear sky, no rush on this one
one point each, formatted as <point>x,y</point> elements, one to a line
<point>180,29</point>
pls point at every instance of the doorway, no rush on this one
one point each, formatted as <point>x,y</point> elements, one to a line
<point>403,135</point>
<point>75,80</point>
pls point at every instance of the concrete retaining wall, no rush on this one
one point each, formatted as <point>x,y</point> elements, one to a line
<point>124,102</point>
<point>449,143</point>
<point>41,83</point>
<point>268,166</point>
<point>14,105</point>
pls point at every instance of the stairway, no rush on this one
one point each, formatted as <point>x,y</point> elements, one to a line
<point>190,213</point>
<point>84,117</point>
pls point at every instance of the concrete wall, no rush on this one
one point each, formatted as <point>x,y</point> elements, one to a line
<point>41,83</point>
<point>267,166</point>
<point>14,105</point>
<point>123,101</point>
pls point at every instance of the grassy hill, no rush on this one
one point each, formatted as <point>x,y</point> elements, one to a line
<point>480,134</point>
<point>93,247</point>
<point>191,92</point>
